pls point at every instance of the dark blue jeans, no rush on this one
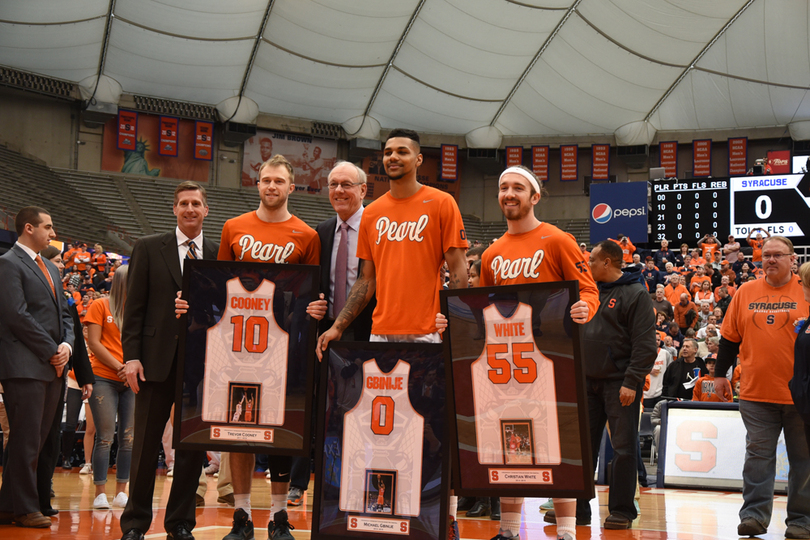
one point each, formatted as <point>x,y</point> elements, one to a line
<point>604,407</point>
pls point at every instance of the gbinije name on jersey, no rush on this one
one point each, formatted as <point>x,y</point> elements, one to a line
<point>511,269</point>
<point>264,252</point>
<point>397,232</point>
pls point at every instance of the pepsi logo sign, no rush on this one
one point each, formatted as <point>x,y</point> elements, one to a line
<point>601,213</point>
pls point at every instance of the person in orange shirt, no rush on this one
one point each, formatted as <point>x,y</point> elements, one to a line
<point>627,247</point>
<point>98,261</point>
<point>81,260</point>
<point>111,395</point>
<point>756,244</point>
<point>534,252</point>
<point>697,260</point>
<point>699,277</point>
<point>705,293</point>
<point>704,386</point>
<point>404,238</point>
<point>728,284</point>
<point>67,258</point>
<point>759,325</point>
<point>675,288</point>
<point>584,249</point>
<point>684,306</point>
<point>709,245</point>
<point>269,234</point>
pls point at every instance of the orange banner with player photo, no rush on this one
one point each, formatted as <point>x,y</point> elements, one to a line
<point>428,174</point>
<point>145,158</point>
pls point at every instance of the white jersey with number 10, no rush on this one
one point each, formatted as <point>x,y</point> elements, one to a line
<point>513,380</point>
<point>246,346</point>
<point>383,432</point>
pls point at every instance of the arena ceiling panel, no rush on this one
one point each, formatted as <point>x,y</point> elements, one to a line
<point>526,67</point>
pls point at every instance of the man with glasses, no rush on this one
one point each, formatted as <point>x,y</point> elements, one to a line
<point>759,325</point>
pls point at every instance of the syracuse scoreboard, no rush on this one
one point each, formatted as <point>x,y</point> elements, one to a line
<point>685,210</point>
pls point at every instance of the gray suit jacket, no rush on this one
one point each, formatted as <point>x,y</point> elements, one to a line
<point>32,321</point>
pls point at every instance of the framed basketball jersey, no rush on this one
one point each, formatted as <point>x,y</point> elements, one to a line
<point>247,358</point>
<point>517,397</point>
<point>382,427</point>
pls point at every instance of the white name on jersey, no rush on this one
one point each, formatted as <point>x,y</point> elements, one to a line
<point>509,269</point>
<point>397,232</point>
<point>264,252</point>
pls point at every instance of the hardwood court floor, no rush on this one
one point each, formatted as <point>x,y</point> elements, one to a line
<point>665,514</point>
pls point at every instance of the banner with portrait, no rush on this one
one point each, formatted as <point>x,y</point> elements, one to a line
<point>381,467</point>
<point>517,392</point>
<point>311,158</point>
<point>246,361</point>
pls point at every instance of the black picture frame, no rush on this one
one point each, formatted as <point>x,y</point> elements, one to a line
<point>530,453</point>
<point>245,409</point>
<point>347,501</point>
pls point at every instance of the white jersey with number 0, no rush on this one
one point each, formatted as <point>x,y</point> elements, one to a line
<point>246,346</point>
<point>383,432</point>
<point>513,380</point>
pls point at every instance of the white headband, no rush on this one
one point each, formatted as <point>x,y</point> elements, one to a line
<point>524,173</point>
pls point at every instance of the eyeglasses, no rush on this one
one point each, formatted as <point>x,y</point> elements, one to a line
<point>345,186</point>
<point>776,256</point>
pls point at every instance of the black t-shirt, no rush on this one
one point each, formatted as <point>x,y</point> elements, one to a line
<point>679,373</point>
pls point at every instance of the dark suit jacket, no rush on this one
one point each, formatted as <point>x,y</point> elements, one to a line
<point>33,322</point>
<point>362,324</point>
<point>151,330</point>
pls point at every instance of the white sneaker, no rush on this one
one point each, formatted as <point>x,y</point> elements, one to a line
<point>269,475</point>
<point>86,469</point>
<point>101,502</point>
<point>120,500</point>
<point>170,474</point>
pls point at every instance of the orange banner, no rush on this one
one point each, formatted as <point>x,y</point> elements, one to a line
<point>669,158</point>
<point>600,164</point>
<point>127,130</point>
<point>737,156</point>
<point>204,140</point>
<point>449,154</point>
<point>701,158</point>
<point>428,175</point>
<point>168,136</point>
<point>145,159</point>
<point>568,162</point>
<point>514,156</point>
<point>540,162</point>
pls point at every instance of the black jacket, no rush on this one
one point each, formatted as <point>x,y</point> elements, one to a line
<point>620,340</point>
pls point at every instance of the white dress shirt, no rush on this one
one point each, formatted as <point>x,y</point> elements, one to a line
<point>182,245</point>
<point>351,272</point>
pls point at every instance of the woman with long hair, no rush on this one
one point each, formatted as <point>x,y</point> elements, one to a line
<point>705,294</point>
<point>111,394</point>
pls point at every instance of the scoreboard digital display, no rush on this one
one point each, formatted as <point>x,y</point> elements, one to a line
<point>685,210</point>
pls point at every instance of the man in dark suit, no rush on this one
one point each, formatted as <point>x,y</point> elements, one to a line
<point>36,340</point>
<point>347,189</point>
<point>149,338</point>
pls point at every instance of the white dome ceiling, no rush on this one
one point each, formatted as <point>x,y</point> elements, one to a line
<point>526,67</point>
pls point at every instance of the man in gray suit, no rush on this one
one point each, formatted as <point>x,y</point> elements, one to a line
<point>36,340</point>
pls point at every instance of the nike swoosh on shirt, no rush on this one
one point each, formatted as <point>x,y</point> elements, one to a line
<point>297,232</point>
<point>427,200</point>
<point>544,237</point>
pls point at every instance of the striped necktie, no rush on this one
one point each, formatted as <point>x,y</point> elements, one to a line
<point>192,250</point>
